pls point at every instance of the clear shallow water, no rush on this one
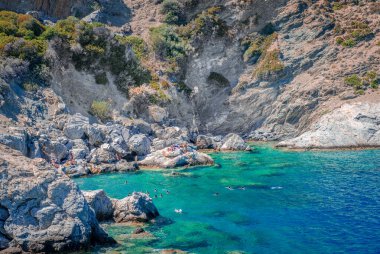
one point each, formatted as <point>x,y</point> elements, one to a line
<point>294,202</point>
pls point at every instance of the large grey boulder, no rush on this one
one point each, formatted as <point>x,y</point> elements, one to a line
<point>53,150</point>
<point>168,136</point>
<point>103,154</point>
<point>118,137</point>
<point>139,144</point>
<point>176,157</point>
<point>137,207</point>
<point>76,126</point>
<point>351,125</point>
<point>95,135</point>
<point>78,149</point>
<point>15,138</point>
<point>233,142</point>
<point>41,209</point>
<point>101,203</point>
<point>208,142</point>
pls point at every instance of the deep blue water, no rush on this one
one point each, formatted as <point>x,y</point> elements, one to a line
<point>293,202</point>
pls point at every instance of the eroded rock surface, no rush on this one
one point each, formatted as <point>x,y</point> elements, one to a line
<point>42,210</point>
<point>351,125</point>
<point>176,156</point>
<point>137,207</point>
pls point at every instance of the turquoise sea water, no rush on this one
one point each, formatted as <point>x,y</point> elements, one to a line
<point>293,202</point>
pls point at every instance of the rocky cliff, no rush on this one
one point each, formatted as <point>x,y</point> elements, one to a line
<point>147,83</point>
<point>53,8</point>
<point>41,210</point>
<point>269,69</point>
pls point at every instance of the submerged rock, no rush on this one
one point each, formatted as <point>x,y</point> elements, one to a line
<point>172,157</point>
<point>41,210</point>
<point>137,207</point>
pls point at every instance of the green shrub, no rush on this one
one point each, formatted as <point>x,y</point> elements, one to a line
<point>337,6</point>
<point>354,81</point>
<point>339,40</point>
<point>64,29</point>
<point>7,28</point>
<point>360,84</point>
<point>257,46</point>
<point>352,33</point>
<point>137,44</point>
<point>30,87</point>
<point>270,63</point>
<point>359,91</point>
<point>167,44</point>
<point>205,24</point>
<point>173,11</point>
<point>101,78</point>
<point>101,109</point>
<point>349,43</point>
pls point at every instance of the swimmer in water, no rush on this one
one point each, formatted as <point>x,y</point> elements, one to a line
<point>229,188</point>
<point>161,195</point>
<point>167,192</point>
<point>216,194</point>
<point>155,196</point>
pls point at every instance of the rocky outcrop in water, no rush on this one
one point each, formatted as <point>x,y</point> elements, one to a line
<point>42,210</point>
<point>100,203</point>
<point>234,142</point>
<point>351,125</point>
<point>136,207</point>
<point>176,156</point>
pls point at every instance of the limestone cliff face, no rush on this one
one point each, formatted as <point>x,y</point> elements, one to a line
<point>52,8</point>
<point>233,91</point>
<point>313,67</point>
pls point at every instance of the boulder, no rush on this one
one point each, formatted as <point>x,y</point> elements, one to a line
<point>137,207</point>
<point>208,142</point>
<point>233,142</point>
<point>77,170</point>
<point>95,135</point>
<point>100,203</point>
<point>103,154</point>
<point>44,210</point>
<point>172,133</point>
<point>120,146</point>
<point>204,142</point>
<point>139,144</point>
<point>169,136</point>
<point>176,157</point>
<point>54,150</point>
<point>76,126</point>
<point>16,138</point>
<point>79,150</point>
<point>123,165</point>
<point>157,114</point>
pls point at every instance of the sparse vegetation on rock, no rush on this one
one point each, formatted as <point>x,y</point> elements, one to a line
<point>101,109</point>
<point>362,83</point>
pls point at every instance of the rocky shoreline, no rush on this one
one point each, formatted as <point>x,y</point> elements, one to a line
<point>42,209</point>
